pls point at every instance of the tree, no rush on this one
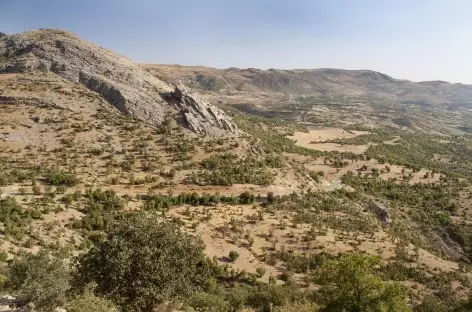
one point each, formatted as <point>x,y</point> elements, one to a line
<point>142,262</point>
<point>351,284</point>
<point>39,279</point>
<point>431,303</point>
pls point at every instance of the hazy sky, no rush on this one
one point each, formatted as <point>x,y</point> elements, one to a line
<point>411,39</point>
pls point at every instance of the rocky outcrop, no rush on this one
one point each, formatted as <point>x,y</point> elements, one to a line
<point>380,210</point>
<point>443,241</point>
<point>12,100</point>
<point>200,116</point>
<point>123,83</point>
<point>9,303</point>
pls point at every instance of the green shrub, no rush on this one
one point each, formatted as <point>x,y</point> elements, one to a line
<point>233,255</point>
<point>261,271</point>
<point>39,279</point>
<point>88,302</point>
<point>59,177</point>
<point>3,256</point>
<point>141,262</point>
<point>351,283</point>
<point>205,302</point>
<point>36,190</point>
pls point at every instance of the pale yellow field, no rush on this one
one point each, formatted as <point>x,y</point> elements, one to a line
<point>314,139</point>
<point>320,135</point>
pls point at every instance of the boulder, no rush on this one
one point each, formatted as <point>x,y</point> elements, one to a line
<point>200,116</point>
<point>380,210</point>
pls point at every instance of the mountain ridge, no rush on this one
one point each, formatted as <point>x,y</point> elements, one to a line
<point>321,81</point>
<point>234,68</point>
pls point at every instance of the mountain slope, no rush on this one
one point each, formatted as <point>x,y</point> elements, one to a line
<point>327,82</point>
<point>124,84</point>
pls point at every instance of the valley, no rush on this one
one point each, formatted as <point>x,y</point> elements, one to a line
<point>280,175</point>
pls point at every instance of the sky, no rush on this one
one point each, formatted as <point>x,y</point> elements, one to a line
<point>410,39</point>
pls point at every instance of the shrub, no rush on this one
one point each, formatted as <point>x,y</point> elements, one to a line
<point>3,256</point>
<point>233,255</point>
<point>59,177</point>
<point>298,307</point>
<point>88,301</point>
<point>36,190</point>
<point>205,302</point>
<point>261,271</point>
<point>39,279</point>
<point>286,276</point>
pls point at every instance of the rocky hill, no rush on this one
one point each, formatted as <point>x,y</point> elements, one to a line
<point>326,82</point>
<point>121,82</point>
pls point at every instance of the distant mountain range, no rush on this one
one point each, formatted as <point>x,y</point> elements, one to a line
<point>327,82</point>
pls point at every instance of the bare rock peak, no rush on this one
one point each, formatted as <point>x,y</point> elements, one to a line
<point>123,83</point>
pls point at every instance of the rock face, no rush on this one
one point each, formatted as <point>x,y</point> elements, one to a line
<point>200,116</point>
<point>123,83</point>
<point>380,210</point>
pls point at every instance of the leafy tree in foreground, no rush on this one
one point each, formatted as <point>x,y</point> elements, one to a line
<point>39,279</point>
<point>350,284</point>
<point>142,262</point>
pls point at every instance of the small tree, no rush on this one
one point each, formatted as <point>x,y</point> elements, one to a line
<point>39,279</point>
<point>142,262</point>
<point>351,284</point>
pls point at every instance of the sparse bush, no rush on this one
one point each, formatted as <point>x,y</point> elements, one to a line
<point>233,255</point>
<point>261,271</point>
<point>3,256</point>
<point>36,190</point>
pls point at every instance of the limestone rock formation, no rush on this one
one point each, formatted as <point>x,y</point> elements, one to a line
<point>381,211</point>
<point>200,116</point>
<point>123,83</point>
